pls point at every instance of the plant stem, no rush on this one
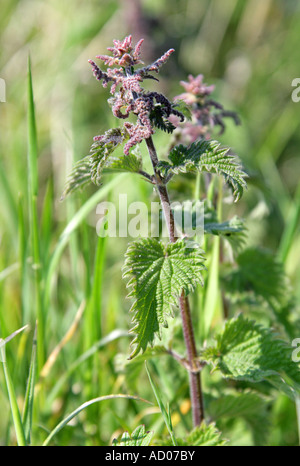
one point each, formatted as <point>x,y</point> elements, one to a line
<point>187,325</point>
<point>195,378</point>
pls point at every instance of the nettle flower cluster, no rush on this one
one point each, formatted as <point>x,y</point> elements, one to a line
<point>191,118</point>
<point>206,113</point>
<point>128,97</point>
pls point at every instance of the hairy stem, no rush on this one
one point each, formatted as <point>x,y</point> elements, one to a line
<point>187,325</point>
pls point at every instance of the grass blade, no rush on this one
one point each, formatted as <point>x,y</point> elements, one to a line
<point>93,313</point>
<point>85,405</point>
<point>114,335</point>
<point>8,271</point>
<point>166,414</point>
<point>13,403</point>
<point>19,429</point>
<point>291,225</point>
<point>34,225</point>
<point>66,338</point>
<point>29,396</point>
<point>211,295</point>
<point>47,220</point>
<point>7,198</point>
<point>82,213</point>
<point>11,336</point>
<point>32,138</point>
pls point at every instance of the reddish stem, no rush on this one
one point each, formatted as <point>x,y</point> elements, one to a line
<point>187,325</point>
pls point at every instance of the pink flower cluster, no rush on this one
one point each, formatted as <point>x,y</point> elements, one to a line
<point>195,89</point>
<point>206,113</point>
<point>128,95</point>
<point>124,54</point>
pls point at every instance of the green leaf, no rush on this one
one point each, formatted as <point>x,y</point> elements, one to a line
<point>158,119</point>
<point>158,274</point>
<point>90,168</point>
<point>259,272</point>
<point>259,281</point>
<point>125,163</point>
<point>248,405</point>
<point>247,351</point>
<point>234,225</point>
<point>79,177</point>
<point>232,230</point>
<point>206,156</point>
<point>132,368</point>
<point>138,438</point>
<point>206,221</point>
<point>205,435</point>
<point>236,404</point>
<point>183,108</point>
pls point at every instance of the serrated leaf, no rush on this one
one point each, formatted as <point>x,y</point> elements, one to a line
<point>260,272</point>
<point>259,282</point>
<point>79,177</point>
<point>205,435</point>
<point>90,168</point>
<point>207,156</point>
<point>248,405</point>
<point>159,119</point>
<point>235,404</point>
<point>234,225</point>
<point>138,438</point>
<point>199,219</point>
<point>132,368</point>
<point>183,108</point>
<point>247,351</point>
<point>158,274</point>
<point>232,230</point>
<point>125,163</point>
<point>213,226</point>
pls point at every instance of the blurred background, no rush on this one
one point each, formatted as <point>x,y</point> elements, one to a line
<point>250,51</point>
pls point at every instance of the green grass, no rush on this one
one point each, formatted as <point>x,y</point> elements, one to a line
<point>51,260</point>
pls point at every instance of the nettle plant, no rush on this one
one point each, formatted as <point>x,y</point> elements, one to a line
<point>163,277</point>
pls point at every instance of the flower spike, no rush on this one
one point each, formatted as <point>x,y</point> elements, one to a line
<point>128,97</point>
